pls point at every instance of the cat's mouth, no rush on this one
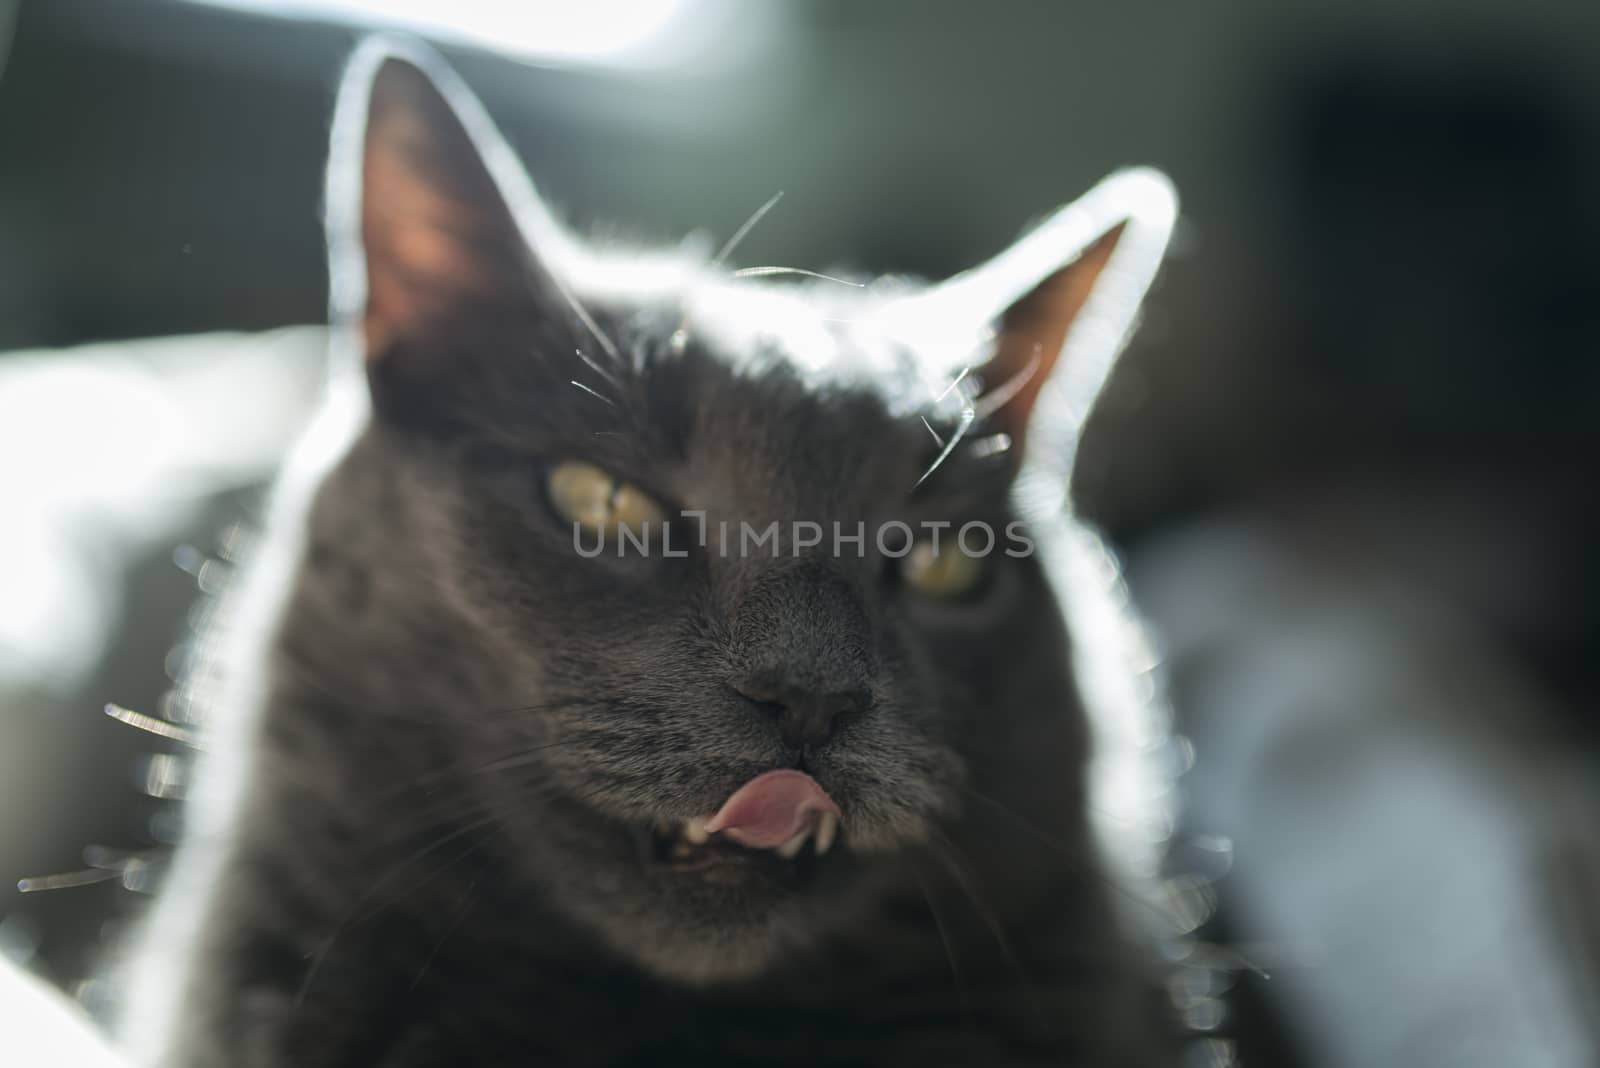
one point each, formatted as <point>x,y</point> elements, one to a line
<point>770,821</point>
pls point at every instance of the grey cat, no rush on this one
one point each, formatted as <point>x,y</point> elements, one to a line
<point>519,757</point>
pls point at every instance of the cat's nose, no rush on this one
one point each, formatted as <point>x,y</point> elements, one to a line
<point>805,719</point>
<point>804,651</point>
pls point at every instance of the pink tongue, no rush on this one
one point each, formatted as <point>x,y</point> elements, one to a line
<point>771,808</point>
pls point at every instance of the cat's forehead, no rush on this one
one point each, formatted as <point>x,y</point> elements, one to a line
<point>839,335</point>
<point>779,394</point>
<point>789,408</point>
<point>737,397</point>
<point>829,332</point>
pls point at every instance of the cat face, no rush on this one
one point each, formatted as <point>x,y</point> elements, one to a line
<point>734,583</point>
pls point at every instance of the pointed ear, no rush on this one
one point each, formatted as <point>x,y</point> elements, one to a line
<point>429,214</point>
<point>1045,319</point>
<point>1031,334</point>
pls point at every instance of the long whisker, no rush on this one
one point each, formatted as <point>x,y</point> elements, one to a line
<point>1076,857</point>
<point>679,341</point>
<point>1005,392</point>
<point>949,948</point>
<point>151,725</point>
<point>597,369</point>
<point>456,920</point>
<point>584,317</point>
<point>591,391</point>
<point>1059,845</point>
<point>967,419</point>
<point>761,272</point>
<point>65,880</point>
<point>372,891</point>
<point>744,231</point>
<point>511,761</point>
<point>432,874</point>
<point>467,771</point>
<point>954,382</point>
<point>950,857</point>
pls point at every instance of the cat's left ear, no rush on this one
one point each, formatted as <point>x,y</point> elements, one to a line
<point>1040,324</point>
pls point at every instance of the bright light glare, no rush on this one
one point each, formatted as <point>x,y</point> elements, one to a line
<point>558,29</point>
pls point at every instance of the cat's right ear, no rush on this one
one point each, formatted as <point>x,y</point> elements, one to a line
<point>430,216</point>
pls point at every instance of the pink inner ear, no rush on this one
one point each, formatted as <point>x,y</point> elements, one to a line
<point>416,249</point>
<point>434,225</point>
<point>1034,329</point>
<point>413,257</point>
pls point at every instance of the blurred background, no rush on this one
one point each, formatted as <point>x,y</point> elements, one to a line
<point>1350,461</point>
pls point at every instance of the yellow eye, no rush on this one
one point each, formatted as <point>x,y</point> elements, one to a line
<point>945,572</point>
<point>598,501</point>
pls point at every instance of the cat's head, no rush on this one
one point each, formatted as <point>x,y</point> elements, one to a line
<point>718,584</point>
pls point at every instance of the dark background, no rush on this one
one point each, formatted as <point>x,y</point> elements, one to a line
<point>1382,309</point>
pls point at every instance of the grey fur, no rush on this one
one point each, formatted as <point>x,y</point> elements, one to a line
<point>465,729</point>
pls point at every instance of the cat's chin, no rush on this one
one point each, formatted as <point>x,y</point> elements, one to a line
<point>707,911</point>
<point>722,911</point>
<point>741,889</point>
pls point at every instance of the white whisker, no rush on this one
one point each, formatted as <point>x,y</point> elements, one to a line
<point>597,369</point>
<point>967,418</point>
<point>150,724</point>
<point>591,391</point>
<point>1004,393</point>
<point>953,384</point>
<point>65,880</point>
<point>740,234</point>
<point>761,272</point>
